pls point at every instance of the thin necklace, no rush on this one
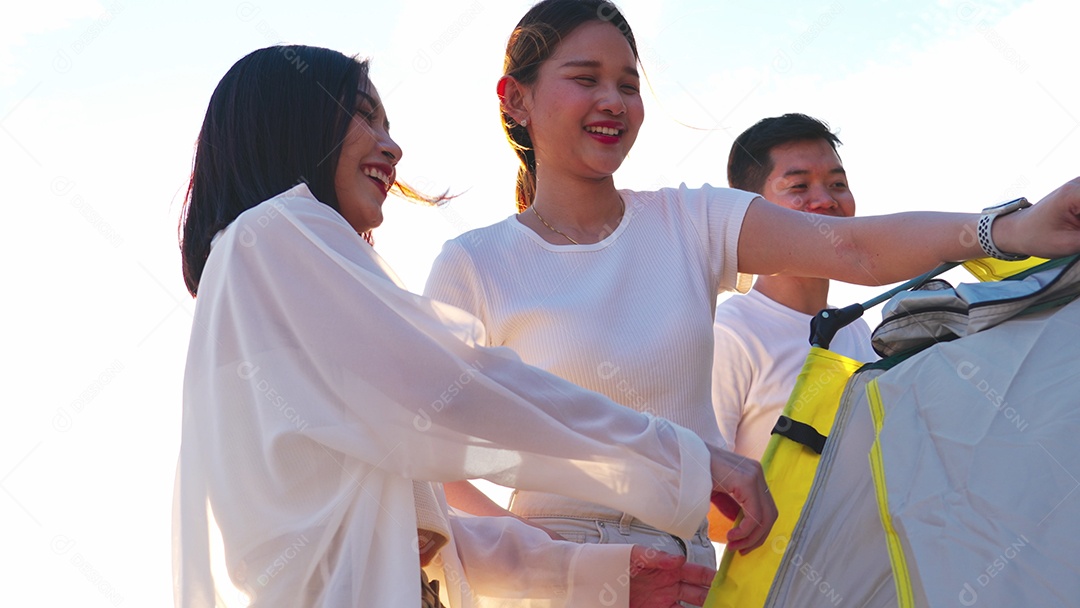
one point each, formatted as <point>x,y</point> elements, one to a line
<point>560,232</point>
<point>553,229</point>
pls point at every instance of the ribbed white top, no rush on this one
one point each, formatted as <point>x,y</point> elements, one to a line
<point>629,317</point>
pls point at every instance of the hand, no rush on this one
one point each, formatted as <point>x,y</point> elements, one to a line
<point>429,544</point>
<point>551,533</point>
<point>467,497</point>
<point>739,486</point>
<point>1049,229</point>
<point>662,580</point>
<point>726,505</point>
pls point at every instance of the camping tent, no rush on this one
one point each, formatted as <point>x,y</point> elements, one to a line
<point>950,474</point>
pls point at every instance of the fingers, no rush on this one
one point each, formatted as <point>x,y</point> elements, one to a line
<point>642,558</point>
<point>726,504</point>
<point>662,580</point>
<point>551,533</point>
<point>1050,229</point>
<point>692,594</point>
<point>697,575</point>
<point>694,584</point>
<point>753,527</point>
<point>743,482</point>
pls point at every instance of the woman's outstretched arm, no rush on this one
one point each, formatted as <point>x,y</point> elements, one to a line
<point>884,249</point>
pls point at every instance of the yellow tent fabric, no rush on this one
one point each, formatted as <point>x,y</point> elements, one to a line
<point>992,269</point>
<point>743,581</point>
<point>901,573</point>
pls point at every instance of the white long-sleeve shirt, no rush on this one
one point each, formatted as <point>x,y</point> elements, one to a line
<point>317,389</point>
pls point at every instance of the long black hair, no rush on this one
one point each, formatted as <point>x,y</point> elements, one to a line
<point>276,119</point>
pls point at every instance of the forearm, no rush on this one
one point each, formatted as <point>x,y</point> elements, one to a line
<point>463,495</point>
<point>399,382</point>
<point>866,250</point>
<point>508,560</point>
<point>887,249</point>
<point>890,248</point>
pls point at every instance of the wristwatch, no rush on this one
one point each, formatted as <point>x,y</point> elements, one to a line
<point>986,222</point>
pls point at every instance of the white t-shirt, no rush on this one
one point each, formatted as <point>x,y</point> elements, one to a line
<point>317,390</point>
<point>629,317</point>
<point>760,349</point>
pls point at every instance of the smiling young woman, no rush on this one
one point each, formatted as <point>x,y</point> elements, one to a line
<point>365,168</point>
<point>606,287</point>
<point>615,289</point>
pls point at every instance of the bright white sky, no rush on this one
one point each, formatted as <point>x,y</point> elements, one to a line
<point>941,105</point>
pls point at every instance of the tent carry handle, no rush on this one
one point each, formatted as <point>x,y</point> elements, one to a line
<point>825,324</point>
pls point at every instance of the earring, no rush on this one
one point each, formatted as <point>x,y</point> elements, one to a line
<point>524,122</point>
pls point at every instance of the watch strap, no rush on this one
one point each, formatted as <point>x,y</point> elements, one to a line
<point>986,225</point>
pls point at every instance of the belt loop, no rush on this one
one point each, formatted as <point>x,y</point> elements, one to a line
<point>624,524</point>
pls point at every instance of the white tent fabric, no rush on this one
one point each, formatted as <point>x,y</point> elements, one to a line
<point>982,464</point>
<point>918,318</point>
<point>979,449</point>
<point>837,554</point>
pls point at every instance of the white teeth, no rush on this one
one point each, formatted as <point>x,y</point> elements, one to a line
<point>602,130</point>
<point>379,175</point>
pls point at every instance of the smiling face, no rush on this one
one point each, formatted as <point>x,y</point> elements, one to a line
<point>585,110</point>
<point>365,169</point>
<point>808,176</point>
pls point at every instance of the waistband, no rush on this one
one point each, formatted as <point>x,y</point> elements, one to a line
<point>543,504</point>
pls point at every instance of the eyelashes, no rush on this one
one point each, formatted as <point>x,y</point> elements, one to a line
<point>366,112</point>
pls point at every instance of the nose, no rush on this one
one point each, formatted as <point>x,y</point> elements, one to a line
<point>612,101</point>
<point>390,149</point>
<point>820,198</point>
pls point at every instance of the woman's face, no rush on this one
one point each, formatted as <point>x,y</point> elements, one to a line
<point>365,170</point>
<point>585,108</point>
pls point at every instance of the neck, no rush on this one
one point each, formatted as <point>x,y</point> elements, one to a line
<point>586,211</point>
<point>806,295</point>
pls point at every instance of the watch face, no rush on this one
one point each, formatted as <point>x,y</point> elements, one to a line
<point>1008,206</point>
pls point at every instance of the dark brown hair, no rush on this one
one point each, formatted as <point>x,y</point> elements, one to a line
<point>532,42</point>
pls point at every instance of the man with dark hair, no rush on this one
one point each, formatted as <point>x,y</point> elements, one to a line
<point>762,337</point>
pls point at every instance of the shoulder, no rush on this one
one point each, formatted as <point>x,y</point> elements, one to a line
<point>860,330</point>
<point>294,228</point>
<point>479,244</point>
<point>499,231</point>
<point>738,309</point>
<point>854,341</point>
<point>683,195</point>
<point>285,212</point>
<point>469,261</point>
<point>733,321</point>
<point>759,323</point>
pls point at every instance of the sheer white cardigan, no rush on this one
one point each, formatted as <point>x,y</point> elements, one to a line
<point>317,389</point>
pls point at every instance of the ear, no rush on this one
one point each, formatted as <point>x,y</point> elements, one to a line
<point>513,98</point>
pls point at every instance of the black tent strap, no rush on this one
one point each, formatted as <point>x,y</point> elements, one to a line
<point>800,432</point>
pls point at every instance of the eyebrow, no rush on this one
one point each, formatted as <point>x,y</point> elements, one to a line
<point>592,63</point>
<point>364,96</point>
<point>795,172</point>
